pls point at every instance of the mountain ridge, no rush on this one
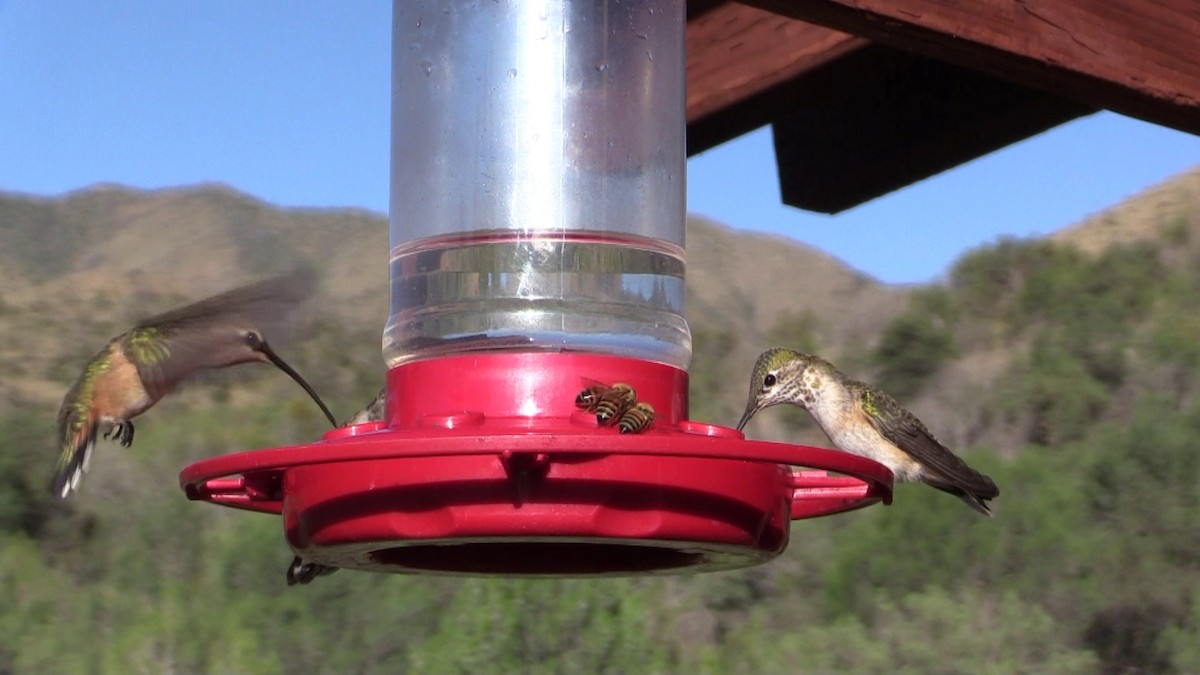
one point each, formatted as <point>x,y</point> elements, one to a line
<point>103,256</point>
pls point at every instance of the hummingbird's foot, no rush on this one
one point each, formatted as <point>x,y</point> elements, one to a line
<point>122,432</point>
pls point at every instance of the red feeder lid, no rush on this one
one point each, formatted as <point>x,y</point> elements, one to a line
<point>486,467</point>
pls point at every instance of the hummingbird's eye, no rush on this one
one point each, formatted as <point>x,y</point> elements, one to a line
<point>769,380</point>
<point>253,340</point>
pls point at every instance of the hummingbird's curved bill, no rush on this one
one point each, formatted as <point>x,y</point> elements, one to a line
<point>864,421</point>
<point>137,368</point>
<point>282,365</point>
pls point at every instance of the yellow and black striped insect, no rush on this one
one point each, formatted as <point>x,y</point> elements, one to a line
<point>589,398</point>
<point>614,403</point>
<point>609,403</point>
<point>637,418</point>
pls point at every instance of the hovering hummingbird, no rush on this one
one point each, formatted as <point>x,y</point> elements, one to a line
<point>301,571</point>
<point>864,421</point>
<point>137,368</point>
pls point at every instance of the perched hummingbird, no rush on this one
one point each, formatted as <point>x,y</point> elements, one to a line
<point>864,421</point>
<point>374,412</point>
<point>137,368</point>
<point>300,571</point>
<point>303,572</point>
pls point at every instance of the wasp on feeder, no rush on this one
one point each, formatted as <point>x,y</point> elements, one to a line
<point>615,404</point>
<point>636,419</point>
<point>608,402</point>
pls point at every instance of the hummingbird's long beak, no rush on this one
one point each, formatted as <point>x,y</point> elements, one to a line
<point>746,417</point>
<point>270,354</point>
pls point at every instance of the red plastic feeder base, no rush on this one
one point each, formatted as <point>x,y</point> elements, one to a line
<point>485,467</point>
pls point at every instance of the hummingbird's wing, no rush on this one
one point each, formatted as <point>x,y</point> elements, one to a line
<point>169,347</point>
<point>943,468</point>
<point>264,301</point>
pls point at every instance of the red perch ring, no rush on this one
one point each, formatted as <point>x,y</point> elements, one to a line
<point>485,467</point>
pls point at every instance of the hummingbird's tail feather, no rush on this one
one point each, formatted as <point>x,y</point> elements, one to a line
<point>974,501</point>
<point>976,493</point>
<point>74,461</point>
<point>301,572</point>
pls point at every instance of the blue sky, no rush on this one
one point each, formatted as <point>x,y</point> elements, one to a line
<point>290,102</point>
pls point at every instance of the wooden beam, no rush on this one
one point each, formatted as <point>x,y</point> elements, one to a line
<point>880,119</point>
<point>735,52</point>
<point>1136,57</point>
<point>852,119</point>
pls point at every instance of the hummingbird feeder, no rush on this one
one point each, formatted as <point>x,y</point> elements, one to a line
<point>537,246</point>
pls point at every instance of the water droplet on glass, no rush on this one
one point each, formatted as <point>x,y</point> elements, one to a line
<point>512,72</point>
<point>426,66</point>
<point>601,65</point>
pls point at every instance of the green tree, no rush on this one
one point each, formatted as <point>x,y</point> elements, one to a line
<point>931,631</point>
<point>913,347</point>
<point>544,626</point>
<point>709,374</point>
<point>1053,393</point>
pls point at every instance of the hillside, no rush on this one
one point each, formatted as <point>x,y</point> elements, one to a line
<point>98,259</point>
<point>1068,369</point>
<point>1162,211</point>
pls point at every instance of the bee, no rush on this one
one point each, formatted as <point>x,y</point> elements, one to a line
<point>614,403</point>
<point>608,403</point>
<point>589,398</point>
<point>637,418</point>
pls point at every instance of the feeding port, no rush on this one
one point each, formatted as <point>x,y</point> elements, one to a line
<point>537,247</point>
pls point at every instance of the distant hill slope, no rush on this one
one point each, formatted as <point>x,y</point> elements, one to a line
<point>96,259</point>
<point>1151,214</point>
<point>747,281</point>
<point>80,267</point>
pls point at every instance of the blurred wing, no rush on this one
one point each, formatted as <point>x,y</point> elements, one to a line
<point>909,434</point>
<point>589,382</point>
<point>172,346</point>
<point>261,303</point>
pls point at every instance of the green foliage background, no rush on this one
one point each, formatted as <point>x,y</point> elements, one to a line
<point>1092,562</point>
